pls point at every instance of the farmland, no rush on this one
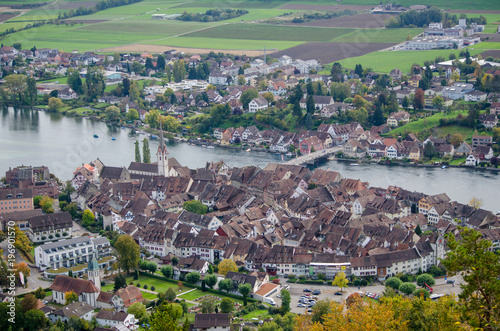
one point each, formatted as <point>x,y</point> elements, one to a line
<point>378,35</point>
<point>355,21</point>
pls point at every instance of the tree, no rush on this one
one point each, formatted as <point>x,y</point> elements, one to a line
<point>175,260</point>
<point>336,72</point>
<point>310,107</point>
<point>418,230</point>
<point>128,252</point>
<point>195,206</point>
<point>456,139</point>
<point>340,280</point>
<point>285,301</point>
<point>137,152</point>
<point>421,293</point>
<point>112,113</point>
<point>244,290</point>
<point>39,293</point>
<point>152,267</point>
<point>132,114</point>
<point>438,102</point>
<point>479,266</point>
<point>226,285</point>
<point>146,153</point>
<point>137,309</point>
<point>32,92</point>
<point>36,201</point>
<point>207,305</point>
<point>429,150</point>
<point>455,75</point>
<point>227,265</point>
<point>120,282</point>
<point>407,288</point>
<point>308,121</point>
<point>226,306</point>
<point>160,63</point>
<point>248,96</point>
<point>405,103</point>
<point>70,297</point>
<point>170,295</point>
<point>22,242</point>
<point>149,63</point>
<point>321,310</point>
<point>167,271</point>
<point>394,282</point>
<point>358,70</point>
<point>88,218</point>
<point>419,99</point>
<point>16,84</point>
<point>211,280</point>
<point>165,318</point>
<point>193,277</point>
<point>241,79</point>
<point>55,104</point>
<point>179,71</point>
<point>94,83</point>
<point>378,116</point>
<point>170,123</point>
<point>75,82</point>
<point>35,320</point>
<point>475,203</point>
<point>29,302</point>
<point>425,279</point>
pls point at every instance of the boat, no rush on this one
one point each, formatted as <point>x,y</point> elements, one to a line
<point>154,137</point>
<point>113,138</point>
<point>96,136</point>
<point>354,164</point>
<point>210,147</point>
<point>277,154</point>
<point>248,150</point>
<point>204,146</point>
<point>444,167</point>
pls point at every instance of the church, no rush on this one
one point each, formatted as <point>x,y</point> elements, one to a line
<point>165,166</point>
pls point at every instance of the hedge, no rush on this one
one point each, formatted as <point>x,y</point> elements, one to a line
<point>32,292</point>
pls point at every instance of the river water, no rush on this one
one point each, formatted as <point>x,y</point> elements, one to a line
<point>63,143</point>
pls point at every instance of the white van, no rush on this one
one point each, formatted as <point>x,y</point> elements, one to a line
<point>270,301</point>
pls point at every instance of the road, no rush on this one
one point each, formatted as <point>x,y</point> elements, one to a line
<point>328,292</point>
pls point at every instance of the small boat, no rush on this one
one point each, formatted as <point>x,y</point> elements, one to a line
<point>248,150</point>
<point>210,147</point>
<point>354,164</point>
<point>204,146</point>
<point>96,136</point>
<point>277,154</point>
<point>444,167</point>
<point>113,138</point>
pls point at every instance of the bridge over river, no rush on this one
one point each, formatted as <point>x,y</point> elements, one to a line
<point>310,158</point>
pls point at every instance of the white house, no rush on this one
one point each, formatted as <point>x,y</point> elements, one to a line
<point>257,104</point>
<point>113,318</point>
<point>471,160</point>
<point>64,253</point>
<point>211,322</point>
<point>78,309</point>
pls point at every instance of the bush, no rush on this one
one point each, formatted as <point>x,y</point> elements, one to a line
<point>145,286</point>
<point>153,288</point>
<point>425,279</point>
<point>138,285</point>
<point>407,288</point>
<point>302,277</point>
<point>394,282</point>
<point>364,282</point>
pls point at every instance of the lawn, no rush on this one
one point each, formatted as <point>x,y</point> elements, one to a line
<point>378,35</point>
<point>458,161</point>
<point>466,133</point>
<point>424,123</point>
<point>149,296</point>
<point>385,61</point>
<point>486,45</point>
<point>260,313</point>
<point>216,43</point>
<point>160,285</point>
<point>191,296</point>
<point>271,32</point>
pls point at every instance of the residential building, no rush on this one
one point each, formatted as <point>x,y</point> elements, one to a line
<point>481,140</point>
<point>310,144</point>
<point>113,318</point>
<point>75,309</point>
<point>257,104</point>
<point>211,322</point>
<point>15,199</point>
<point>399,117</point>
<point>488,120</point>
<point>50,227</point>
<point>125,297</point>
<point>475,96</point>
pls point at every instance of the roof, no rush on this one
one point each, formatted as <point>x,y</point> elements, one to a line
<point>105,297</point>
<point>65,284</point>
<point>128,293</point>
<point>211,320</point>
<point>112,315</point>
<point>143,167</point>
<point>266,288</point>
<point>68,242</point>
<point>242,278</point>
<point>77,309</point>
<point>24,193</point>
<point>51,221</point>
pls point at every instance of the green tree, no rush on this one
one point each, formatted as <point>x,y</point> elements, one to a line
<point>35,320</point>
<point>146,153</point>
<point>167,271</point>
<point>160,63</point>
<point>128,252</point>
<point>152,267</point>
<point>137,309</point>
<point>112,113</point>
<point>226,285</point>
<point>36,201</point>
<point>418,230</point>
<point>244,290</point>
<point>137,152</point>
<point>211,280</point>
<point>207,305</point>
<point>429,150</point>
<point>321,310</point>
<point>70,297</point>
<point>195,206</point>
<point>248,96</point>
<point>340,280</point>
<point>165,318</point>
<point>170,295</point>
<point>179,71</point>
<point>405,103</point>
<point>310,107</point>
<point>336,72</point>
<point>149,63</point>
<point>438,102</point>
<point>394,282</point>
<point>32,92</point>
<point>227,265</point>
<point>94,83</point>
<point>170,124</point>
<point>285,301</point>
<point>88,218</point>
<point>421,293</point>
<point>193,277</point>
<point>226,306</point>
<point>47,204</point>
<point>472,257</point>
<point>16,85</point>
<point>55,104</point>
<point>407,288</point>
<point>75,82</point>
<point>132,114</point>
<point>39,293</point>
<point>425,279</point>
<point>120,282</point>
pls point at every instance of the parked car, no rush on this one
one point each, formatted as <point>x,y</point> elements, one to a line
<point>301,305</point>
<point>306,290</point>
<point>309,310</point>
<point>450,281</point>
<point>338,293</point>
<point>316,292</point>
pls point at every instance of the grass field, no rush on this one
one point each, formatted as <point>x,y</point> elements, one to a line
<point>215,43</point>
<point>149,296</point>
<point>256,313</point>
<point>378,35</point>
<point>424,123</point>
<point>483,46</point>
<point>271,32</point>
<point>191,296</point>
<point>445,4</point>
<point>384,62</point>
<point>466,133</point>
<point>160,286</point>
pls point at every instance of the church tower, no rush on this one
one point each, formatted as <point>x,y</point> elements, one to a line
<point>93,272</point>
<point>162,155</point>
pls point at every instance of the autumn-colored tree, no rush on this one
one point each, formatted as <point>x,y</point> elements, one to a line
<point>340,280</point>
<point>475,203</point>
<point>352,299</point>
<point>419,99</point>
<point>128,252</point>
<point>227,265</point>
<point>22,242</point>
<point>456,139</point>
<point>47,204</point>
<point>22,267</point>
<point>29,302</point>
<point>39,293</point>
<point>70,297</point>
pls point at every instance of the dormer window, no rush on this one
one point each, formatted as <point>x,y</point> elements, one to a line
<point>19,195</point>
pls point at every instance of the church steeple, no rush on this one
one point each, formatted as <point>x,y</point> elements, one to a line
<point>162,155</point>
<point>93,272</point>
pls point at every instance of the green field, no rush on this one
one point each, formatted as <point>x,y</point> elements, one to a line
<point>149,296</point>
<point>385,61</point>
<point>191,296</point>
<point>424,123</point>
<point>486,45</point>
<point>378,35</point>
<point>214,43</point>
<point>466,133</point>
<point>271,32</point>
<point>256,313</point>
<point>445,4</point>
<point>160,285</point>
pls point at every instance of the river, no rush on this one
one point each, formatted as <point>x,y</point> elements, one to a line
<point>63,143</point>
